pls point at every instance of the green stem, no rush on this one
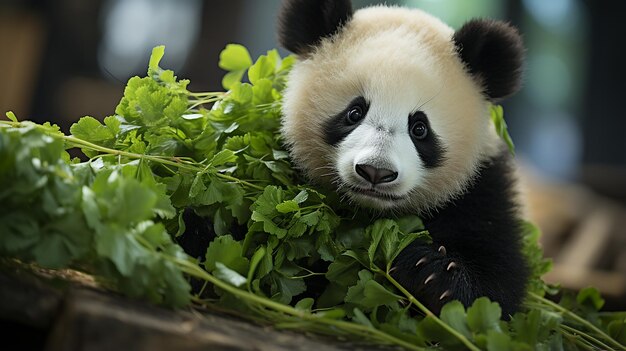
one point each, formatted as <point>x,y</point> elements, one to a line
<point>215,94</point>
<point>590,339</point>
<point>579,342</point>
<point>423,308</point>
<point>580,320</point>
<point>202,102</point>
<point>197,272</point>
<point>171,161</point>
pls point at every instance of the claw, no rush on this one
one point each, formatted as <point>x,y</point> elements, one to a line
<point>451,265</point>
<point>422,260</point>
<point>445,294</point>
<point>442,250</point>
<point>392,269</point>
<point>430,277</point>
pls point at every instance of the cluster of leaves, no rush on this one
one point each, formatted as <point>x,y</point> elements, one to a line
<point>305,261</point>
<point>101,216</point>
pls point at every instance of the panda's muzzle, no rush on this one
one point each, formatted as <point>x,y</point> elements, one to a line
<point>373,193</point>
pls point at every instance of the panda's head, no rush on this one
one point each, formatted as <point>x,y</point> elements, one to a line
<point>390,105</point>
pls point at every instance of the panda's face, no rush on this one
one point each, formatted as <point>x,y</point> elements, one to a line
<point>386,112</point>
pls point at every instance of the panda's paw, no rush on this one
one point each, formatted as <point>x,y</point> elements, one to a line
<point>431,274</point>
<point>431,265</point>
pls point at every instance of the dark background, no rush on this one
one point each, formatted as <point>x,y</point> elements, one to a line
<point>64,59</point>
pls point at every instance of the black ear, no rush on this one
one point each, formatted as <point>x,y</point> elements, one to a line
<point>303,23</point>
<point>494,53</point>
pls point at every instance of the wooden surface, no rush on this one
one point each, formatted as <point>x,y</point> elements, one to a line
<point>51,314</point>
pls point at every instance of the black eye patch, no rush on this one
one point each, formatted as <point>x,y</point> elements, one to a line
<point>339,126</point>
<point>427,145</point>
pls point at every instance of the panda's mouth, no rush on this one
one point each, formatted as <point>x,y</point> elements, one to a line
<point>373,193</point>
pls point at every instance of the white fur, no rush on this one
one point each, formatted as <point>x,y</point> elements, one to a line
<point>401,61</point>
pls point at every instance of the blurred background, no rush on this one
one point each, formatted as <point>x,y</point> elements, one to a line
<point>64,59</point>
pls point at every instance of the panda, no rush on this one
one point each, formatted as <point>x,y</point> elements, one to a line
<point>390,107</point>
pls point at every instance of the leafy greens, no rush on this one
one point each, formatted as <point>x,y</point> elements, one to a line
<point>305,261</point>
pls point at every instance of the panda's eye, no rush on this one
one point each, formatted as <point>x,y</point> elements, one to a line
<point>354,115</point>
<point>419,130</point>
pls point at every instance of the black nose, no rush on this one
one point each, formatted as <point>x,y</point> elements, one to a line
<point>376,175</point>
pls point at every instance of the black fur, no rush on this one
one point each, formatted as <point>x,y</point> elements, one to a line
<point>493,52</point>
<point>303,23</point>
<point>337,127</point>
<point>429,149</point>
<point>481,235</point>
<point>197,236</point>
<point>199,233</point>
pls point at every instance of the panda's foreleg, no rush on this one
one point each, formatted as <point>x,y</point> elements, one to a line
<point>436,274</point>
<point>476,248</point>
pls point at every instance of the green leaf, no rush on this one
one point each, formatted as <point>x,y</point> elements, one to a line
<point>155,58</point>
<point>368,293</point>
<point>197,186</point>
<point>428,329</point>
<point>215,191</point>
<point>384,234</point>
<point>221,221</point>
<point>235,57</point>
<point>375,233</point>
<point>335,313</point>
<point>268,225</point>
<point>361,318</point>
<point>305,304</point>
<point>360,256</point>
<point>590,296</point>
<point>484,315</point>
<point>229,252</point>
<point>90,129</point>
<point>242,93</point>
<point>410,224</point>
<point>114,124</point>
<point>497,117</point>
<point>311,219</point>
<point>498,341</point>
<point>120,248</point>
<point>262,91</point>
<point>263,68</point>
<point>285,288</point>
<point>19,232</point>
<point>297,230</point>
<point>228,275</point>
<point>11,116</point>
<point>534,327</point>
<point>258,255</point>
<point>537,263</point>
<point>302,196</point>
<point>288,206</point>
<point>406,240</point>
<point>231,79</point>
<point>223,157</point>
<point>617,330</point>
<point>343,271</point>
<point>453,314</point>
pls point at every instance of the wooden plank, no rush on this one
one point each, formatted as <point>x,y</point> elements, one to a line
<point>94,321</point>
<point>76,316</point>
<point>27,300</point>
